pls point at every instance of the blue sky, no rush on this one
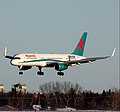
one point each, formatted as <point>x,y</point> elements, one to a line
<point>55,26</point>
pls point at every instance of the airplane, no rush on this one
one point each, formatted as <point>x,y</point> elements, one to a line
<point>59,62</point>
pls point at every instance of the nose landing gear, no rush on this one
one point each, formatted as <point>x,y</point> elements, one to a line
<point>20,73</point>
<point>20,70</point>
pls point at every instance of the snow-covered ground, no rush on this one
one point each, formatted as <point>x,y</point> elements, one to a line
<point>68,111</point>
<point>95,111</point>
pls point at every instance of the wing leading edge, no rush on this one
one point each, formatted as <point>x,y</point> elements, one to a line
<point>89,60</point>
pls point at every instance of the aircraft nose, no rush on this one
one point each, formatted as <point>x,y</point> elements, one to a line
<point>13,62</point>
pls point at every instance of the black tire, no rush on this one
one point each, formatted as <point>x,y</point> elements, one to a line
<point>20,73</point>
<point>60,73</point>
<point>40,73</point>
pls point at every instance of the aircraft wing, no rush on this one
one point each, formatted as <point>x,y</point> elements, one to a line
<point>81,61</point>
<point>69,63</point>
<point>89,60</point>
<point>86,60</point>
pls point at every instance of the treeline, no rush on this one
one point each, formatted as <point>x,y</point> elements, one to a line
<point>59,95</point>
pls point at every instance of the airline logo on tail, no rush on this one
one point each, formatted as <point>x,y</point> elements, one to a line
<point>80,47</point>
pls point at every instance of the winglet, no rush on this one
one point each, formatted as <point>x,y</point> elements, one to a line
<point>113,52</point>
<point>5,52</point>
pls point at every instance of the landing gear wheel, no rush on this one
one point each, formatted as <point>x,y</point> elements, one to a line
<point>20,73</point>
<point>60,73</point>
<point>40,73</point>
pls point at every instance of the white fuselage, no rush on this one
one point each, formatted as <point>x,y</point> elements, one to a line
<point>26,59</point>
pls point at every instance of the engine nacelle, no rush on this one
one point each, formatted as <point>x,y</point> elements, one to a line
<point>26,67</point>
<point>61,67</point>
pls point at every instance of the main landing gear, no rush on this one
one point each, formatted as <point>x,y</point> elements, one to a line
<point>40,72</point>
<point>20,70</point>
<point>60,73</point>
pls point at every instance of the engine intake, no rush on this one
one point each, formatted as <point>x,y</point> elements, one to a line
<point>61,67</point>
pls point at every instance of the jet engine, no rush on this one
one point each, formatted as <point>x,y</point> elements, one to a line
<point>25,67</point>
<point>61,67</point>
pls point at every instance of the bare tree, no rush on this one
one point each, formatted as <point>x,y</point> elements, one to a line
<point>46,89</point>
<point>115,99</point>
<point>61,91</point>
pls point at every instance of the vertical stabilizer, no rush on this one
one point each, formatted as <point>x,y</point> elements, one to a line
<point>80,46</point>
